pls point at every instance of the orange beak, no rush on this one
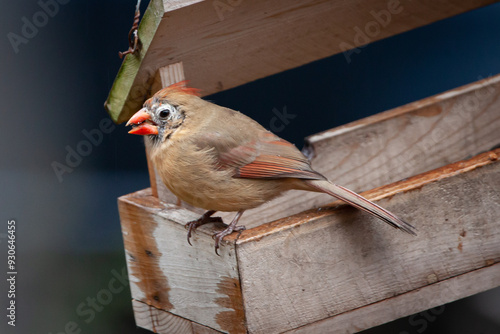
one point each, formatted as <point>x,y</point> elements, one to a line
<point>142,124</point>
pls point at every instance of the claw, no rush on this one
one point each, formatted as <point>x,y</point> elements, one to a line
<point>204,219</point>
<point>220,235</point>
<point>190,227</point>
<point>229,229</point>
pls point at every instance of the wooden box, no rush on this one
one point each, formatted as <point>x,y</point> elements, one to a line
<point>334,266</point>
<point>305,264</point>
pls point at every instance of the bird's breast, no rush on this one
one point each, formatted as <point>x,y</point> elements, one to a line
<point>194,177</point>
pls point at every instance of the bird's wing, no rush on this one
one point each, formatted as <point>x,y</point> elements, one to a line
<point>268,157</point>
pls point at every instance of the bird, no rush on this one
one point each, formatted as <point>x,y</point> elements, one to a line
<point>219,159</point>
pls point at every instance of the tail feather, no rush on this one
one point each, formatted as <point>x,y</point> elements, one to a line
<point>361,203</point>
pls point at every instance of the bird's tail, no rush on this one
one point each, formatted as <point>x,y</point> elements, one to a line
<point>360,202</point>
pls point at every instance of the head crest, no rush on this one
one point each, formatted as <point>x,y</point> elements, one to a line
<point>179,87</point>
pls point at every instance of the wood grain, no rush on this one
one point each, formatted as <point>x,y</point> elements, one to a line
<point>322,268</point>
<point>413,138</point>
<point>337,260</point>
<point>431,296</point>
<point>200,329</point>
<point>126,94</point>
<point>387,147</point>
<point>168,274</point>
<point>242,41</point>
<point>168,75</point>
<point>395,145</point>
<point>159,321</point>
<point>384,192</point>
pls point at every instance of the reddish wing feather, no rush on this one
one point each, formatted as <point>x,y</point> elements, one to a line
<point>275,167</point>
<point>270,157</point>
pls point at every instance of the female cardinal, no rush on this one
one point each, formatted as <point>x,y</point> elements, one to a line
<point>218,159</point>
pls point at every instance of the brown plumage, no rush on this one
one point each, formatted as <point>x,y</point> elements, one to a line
<point>218,159</point>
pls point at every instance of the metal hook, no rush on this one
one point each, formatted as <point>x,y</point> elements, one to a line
<point>133,36</point>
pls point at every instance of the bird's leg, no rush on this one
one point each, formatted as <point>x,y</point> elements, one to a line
<point>204,219</point>
<point>230,229</point>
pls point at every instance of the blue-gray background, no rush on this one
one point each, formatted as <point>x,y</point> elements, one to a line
<point>69,239</point>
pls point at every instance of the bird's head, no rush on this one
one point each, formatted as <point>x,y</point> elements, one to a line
<point>164,112</point>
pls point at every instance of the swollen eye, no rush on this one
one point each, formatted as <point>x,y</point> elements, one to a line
<point>164,113</point>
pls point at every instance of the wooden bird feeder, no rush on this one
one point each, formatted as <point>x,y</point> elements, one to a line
<point>306,265</point>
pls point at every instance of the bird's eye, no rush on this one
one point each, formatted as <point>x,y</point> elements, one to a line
<point>164,113</point>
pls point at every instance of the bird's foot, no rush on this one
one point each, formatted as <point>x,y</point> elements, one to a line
<point>204,219</point>
<point>220,235</point>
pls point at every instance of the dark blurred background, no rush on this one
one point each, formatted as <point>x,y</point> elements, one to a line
<point>68,230</point>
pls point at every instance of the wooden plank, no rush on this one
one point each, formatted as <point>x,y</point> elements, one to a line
<point>199,329</point>
<point>411,139</point>
<point>153,178</point>
<point>224,43</point>
<point>409,303</point>
<point>125,95</point>
<point>163,322</point>
<point>168,75</point>
<point>159,321</point>
<point>396,144</point>
<point>168,274</point>
<point>390,146</point>
<point>322,263</point>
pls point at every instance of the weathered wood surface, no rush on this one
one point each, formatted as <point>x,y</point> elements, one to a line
<point>319,264</point>
<point>413,138</point>
<point>225,43</point>
<point>396,144</point>
<point>431,296</point>
<point>383,148</point>
<point>328,267</point>
<point>168,274</point>
<point>163,322</point>
<point>123,89</point>
<point>168,75</point>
